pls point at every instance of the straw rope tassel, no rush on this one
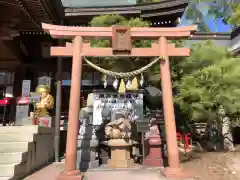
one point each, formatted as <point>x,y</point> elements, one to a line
<point>122,87</point>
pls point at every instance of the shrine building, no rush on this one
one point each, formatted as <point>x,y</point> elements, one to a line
<point>25,47</point>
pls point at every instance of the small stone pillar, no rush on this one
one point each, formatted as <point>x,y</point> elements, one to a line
<point>87,155</point>
<point>104,152</point>
<point>153,146</point>
<point>120,153</point>
<point>103,149</point>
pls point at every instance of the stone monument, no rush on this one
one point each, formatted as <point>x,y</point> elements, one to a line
<point>119,134</point>
<point>87,156</point>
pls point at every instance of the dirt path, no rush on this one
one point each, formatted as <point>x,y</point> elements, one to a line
<point>214,166</point>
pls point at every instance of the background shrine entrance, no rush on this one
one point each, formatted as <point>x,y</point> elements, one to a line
<point>121,46</point>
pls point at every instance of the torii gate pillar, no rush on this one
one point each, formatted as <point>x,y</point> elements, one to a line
<point>78,49</point>
<point>168,109</point>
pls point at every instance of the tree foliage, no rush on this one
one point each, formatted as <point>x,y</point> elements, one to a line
<point>197,10</point>
<point>234,19</point>
<point>210,78</point>
<point>110,20</point>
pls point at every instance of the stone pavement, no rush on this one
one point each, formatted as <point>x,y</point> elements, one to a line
<point>50,173</point>
<point>47,173</point>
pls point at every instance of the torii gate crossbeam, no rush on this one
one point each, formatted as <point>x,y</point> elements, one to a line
<point>122,46</point>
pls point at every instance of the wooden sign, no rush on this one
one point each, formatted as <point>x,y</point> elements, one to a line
<point>121,39</point>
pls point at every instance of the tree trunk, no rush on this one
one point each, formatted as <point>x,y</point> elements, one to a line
<point>227,134</point>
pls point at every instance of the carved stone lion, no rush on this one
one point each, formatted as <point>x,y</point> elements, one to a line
<point>118,129</point>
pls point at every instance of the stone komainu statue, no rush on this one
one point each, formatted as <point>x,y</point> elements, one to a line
<point>118,129</point>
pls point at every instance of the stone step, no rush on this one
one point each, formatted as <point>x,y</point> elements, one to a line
<point>31,129</point>
<point>17,138</point>
<point>10,178</point>
<point>14,157</point>
<point>10,170</point>
<point>13,147</point>
<point>6,178</point>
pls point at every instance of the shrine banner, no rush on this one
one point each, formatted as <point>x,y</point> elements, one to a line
<point>26,86</point>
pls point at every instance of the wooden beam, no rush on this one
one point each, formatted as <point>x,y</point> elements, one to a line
<point>102,52</point>
<point>136,32</point>
<point>8,64</point>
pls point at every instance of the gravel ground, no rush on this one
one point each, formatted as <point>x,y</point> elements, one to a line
<point>214,165</point>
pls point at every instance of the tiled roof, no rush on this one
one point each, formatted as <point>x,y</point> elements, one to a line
<point>96,3</point>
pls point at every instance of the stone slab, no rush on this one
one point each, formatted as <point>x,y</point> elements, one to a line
<point>140,173</point>
<point>32,129</point>
<point>87,154</point>
<point>84,165</point>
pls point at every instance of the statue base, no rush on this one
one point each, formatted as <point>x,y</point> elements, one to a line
<point>74,175</point>
<point>177,173</point>
<point>153,151</point>
<point>120,163</point>
<point>120,153</point>
<point>104,153</point>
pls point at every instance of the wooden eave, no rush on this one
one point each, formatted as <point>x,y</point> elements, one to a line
<point>163,8</point>
<point>31,13</point>
<point>210,36</point>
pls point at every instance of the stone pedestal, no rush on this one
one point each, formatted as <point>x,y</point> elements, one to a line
<point>120,153</point>
<point>153,151</point>
<point>87,156</point>
<point>104,152</point>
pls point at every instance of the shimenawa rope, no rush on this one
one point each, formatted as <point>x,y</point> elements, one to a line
<point>122,74</point>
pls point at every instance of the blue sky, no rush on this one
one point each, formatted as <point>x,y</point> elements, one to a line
<point>215,25</point>
<point>219,26</point>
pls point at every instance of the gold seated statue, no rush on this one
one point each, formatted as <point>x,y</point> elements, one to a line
<point>46,101</point>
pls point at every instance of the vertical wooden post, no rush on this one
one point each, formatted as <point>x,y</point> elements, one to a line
<point>168,108</point>
<point>58,109</point>
<point>74,107</point>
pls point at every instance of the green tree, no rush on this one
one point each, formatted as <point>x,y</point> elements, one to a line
<point>133,63</point>
<point>198,9</point>
<point>234,19</point>
<point>209,80</point>
<point>113,63</point>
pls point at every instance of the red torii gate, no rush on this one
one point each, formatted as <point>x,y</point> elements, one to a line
<point>121,46</point>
